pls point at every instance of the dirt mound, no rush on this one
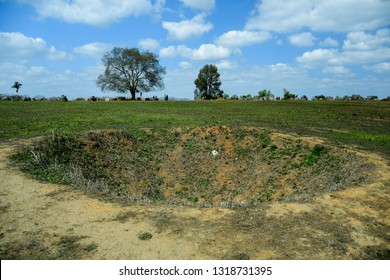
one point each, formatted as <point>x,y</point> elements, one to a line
<point>206,166</point>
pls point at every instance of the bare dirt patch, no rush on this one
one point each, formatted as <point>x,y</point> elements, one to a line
<point>47,221</point>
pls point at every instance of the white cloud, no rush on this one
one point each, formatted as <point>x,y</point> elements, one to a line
<point>282,68</point>
<point>305,39</point>
<point>337,70</point>
<point>380,67</point>
<point>319,15</point>
<point>170,51</point>
<point>96,49</point>
<point>187,28</point>
<point>236,38</point>
<point>226,64</point>
<point>358,48</point>
<point>185,65</point>
<point>329,42</point>
<point>40,80</point>
<point>369,56</point>
<point>210,52</point>
<point>206,5</point>
<point>21,72</point>
<point>15,45</point>
<point>204,52</point>
<point>362,41</point>
<point>98,13</point>
<point>319,57</point>
<point>158,8</point>
<point>149,44</point>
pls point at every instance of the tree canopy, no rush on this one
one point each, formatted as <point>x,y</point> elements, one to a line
<point>208,83</point>
<point>289,96</point>
<point>131,70</point>
<point>17,86</point>
<point>266,95</point>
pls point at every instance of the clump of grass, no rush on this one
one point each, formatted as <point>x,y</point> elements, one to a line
<point>103,162</point>
<point>145,236</point>
<point>36,248</point>
<point>316,152</point>
<point>376,253</point>
<point>90,247</point>
<point>123,217</point>
<point>69,248</point>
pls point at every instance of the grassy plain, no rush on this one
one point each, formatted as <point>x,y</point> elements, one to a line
<point>364,124</point>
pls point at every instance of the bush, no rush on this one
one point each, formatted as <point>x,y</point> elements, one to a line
<point>316,153</point>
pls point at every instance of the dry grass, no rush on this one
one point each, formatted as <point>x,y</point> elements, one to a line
<point>253,166</point>
<point>37,247</point>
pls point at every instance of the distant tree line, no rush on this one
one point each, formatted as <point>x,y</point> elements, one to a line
<point>63,98</point>
<point>17,97</point>
<point>129,70</point>
<point>263,95</point>
<point>208,83</point>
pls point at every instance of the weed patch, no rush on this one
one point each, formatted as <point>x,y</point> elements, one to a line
<point>36,248</point>
<point>145,236</point>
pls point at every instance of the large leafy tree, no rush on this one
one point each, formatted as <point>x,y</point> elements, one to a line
<point>17,86</point>
<point>266,95</point>
<point>130,70</point>
<point>289,96</point>
<point>208,83</point>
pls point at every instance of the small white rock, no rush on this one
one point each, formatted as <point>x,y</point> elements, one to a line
<point>214,153</point>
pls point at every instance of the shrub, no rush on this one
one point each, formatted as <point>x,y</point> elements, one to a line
<point>145,236</point>
<point>316,152</point>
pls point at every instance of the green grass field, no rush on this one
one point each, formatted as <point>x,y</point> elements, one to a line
<point>364,124</point>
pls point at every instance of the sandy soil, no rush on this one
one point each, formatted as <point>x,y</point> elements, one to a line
<point>36,216</point>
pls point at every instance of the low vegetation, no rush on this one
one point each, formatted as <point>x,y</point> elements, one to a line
<point>34,247</point>
<point>177,166</point>
<point>353,123</point>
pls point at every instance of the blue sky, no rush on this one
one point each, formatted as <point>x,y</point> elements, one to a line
<point>310,47</point>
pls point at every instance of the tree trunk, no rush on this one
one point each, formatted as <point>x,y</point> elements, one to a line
<point>132,92</point>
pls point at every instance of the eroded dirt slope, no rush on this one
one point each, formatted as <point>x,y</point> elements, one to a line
<point>45,221</point>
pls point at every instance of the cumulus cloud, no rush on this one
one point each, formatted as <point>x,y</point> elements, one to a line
<point>359,48</point>
<point>226,64</point>
<point>237,39</point>
<point>380,67</point>
<point>149,44</point>
<point>305,39</point>
<point>206,5</point>
<point>170,51</point>
<point>319,57</point>
<point>187,28</point>
<point>15,45</point>
<point>319,15</point>
<point>281,68</point>
<point>21,72</point>
<point>204,52</point>
<point>329,42</point>
<point>92,12</point>
<point>362,41</point>
<point>96,49</point>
